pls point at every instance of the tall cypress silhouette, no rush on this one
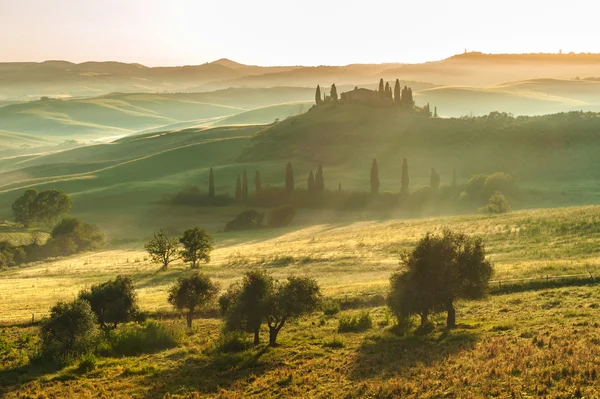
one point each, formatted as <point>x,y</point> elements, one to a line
<point>387,90</point>
<point>333,93</point>
<point>397,95</point>
<point>435,115</point>
<point>311,182</point>
<point>245,185</point>
<point>374,178</point>
<point>257,183</point>
<point>318,98</point>
<point>289,179</point>
<point>405,180</point>
<point>211,183</point>
<point>238,188</point>
<point>381,93</point>
<point>319,180</point>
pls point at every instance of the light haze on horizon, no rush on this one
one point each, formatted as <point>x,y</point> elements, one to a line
<point>270,32</point>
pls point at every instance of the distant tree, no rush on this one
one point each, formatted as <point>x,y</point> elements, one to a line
<point>440,270</point>
<point>245,306</point>
<point>11,255</point>
<point>311,182</point>
<point>410,102</point>
<point>211,183</point>
<point>290,300</point>
<point>374,178</point>
<point>192,293</point>
<point>69,332</point>
<point>281,216</point>
<point>404,185</point>
<point>245,185</point>
<point>435,114</point>
<point>246,220</point>
<point>163,249</point>
<point>113,302</point>
<point>397,95</point>
<point>44,207</point>
<point>238,188</point>
<point>197,245</point>
<point>289,179</point>
<point>23,208</point>
<point>381,90</point>
<point>319,180</point>
<point>72,236</point>
<point>318,99</point>
<point>404,96</point>
<point>387,90</point>
<point>434,180</point>
<point>497,204</point>
<point>333,94</point>
<point>257,183</point>
<point>427,110</point>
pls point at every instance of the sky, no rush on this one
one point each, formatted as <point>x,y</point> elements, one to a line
<point>290,32</point>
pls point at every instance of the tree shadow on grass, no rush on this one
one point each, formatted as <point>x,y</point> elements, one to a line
<point>13,379</point>
<point>208,374</point>
<point>390,355</point>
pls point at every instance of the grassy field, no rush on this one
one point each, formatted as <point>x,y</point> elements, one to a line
<point>539,343</point>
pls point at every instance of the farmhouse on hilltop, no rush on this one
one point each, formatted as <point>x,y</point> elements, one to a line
<point>360,96</point>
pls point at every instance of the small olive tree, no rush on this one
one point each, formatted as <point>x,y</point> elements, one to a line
<point>113,302</point>
<point>163,249</point>
<point>192,293</point>
<point>197,245</point>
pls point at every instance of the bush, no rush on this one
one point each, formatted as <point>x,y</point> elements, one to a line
<point>497,204</point>
<point>331,308</point>
<point>72,236</point>
<point>87,363</point>
<point>246,220</point>
<point>10,255</point>
<point>151,336</point>
<point>233,341</point>
<point>355,323</point>
<point>113,302</point>
<point>193,196</point>
<point>282,216</point>
<point>69,333</point>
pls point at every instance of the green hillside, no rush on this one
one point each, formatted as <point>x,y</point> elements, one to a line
<point>266,114</point>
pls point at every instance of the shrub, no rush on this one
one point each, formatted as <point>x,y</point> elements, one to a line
<point>331,308</point>
<point>10,255</point>
<point>282,216</point>
<point>193,196</point>
<point>70,332</point>
<point>497,204</point>
<point>355,323</point>
<point>233,341</point>
<point>113,302</point>
<point>87,363</point>
<point>72,236</point>
<point>246,220</point>
<point>151,336</point>
<point>335,343</point>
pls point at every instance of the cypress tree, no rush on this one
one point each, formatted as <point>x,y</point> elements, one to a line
<point>211,183</point>
<point>405,180</point>
<point>374,178</point>
<point>434,180</point>
<point>387,89</point>
<point>334,95</point>
<point>245,185</point>
<point>404,96</point>
<point>319,180</point>
<point>411,102</point>
<point>289,179</point>
<point>311,182</point>
<point>435,115</point>
<point>397,96</point>
<point>318,99</point>
<point>257,184</point>
<point>238,188</point>
<point>381,93</point>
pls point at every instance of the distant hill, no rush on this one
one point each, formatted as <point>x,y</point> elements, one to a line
<point>266,114</point>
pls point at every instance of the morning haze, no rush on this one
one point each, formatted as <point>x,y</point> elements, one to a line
<point>316,199</point>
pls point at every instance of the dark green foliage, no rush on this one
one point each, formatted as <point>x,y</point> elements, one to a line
<point>381,90</point>
<point>69,332</point>
<point>245,185</point>
<point>246,220</point>
<point>319,180</point>
<point>73,236</point>
<point>311,182</point>
<point>435,114</point>
<point>289,179</point>
<point>193,196</point>
<point>397,92</point>
<point>163,249</point>
<point>282,216</point>
<point>318,99</point>
<point>333,93</point>
<point>192,293</point>
<point>405,181</point>
<point>10,255</point>
<point>434,180</point>
<point>374,178</point>
<point>331,308</point>
<point>355,323</point>
<point>481,187</point>
<point>257,183</point>
<point>45,207</point>
<point>211,183</point>
<point>113,302</point>
<point>497,204</point>
<point>197,245</point>
<point>152,336</point>
<point>238,188</point>
<point>233,341</point>
<point>441,269</point>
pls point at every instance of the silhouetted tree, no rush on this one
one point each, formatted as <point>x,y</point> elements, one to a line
<point>333,93</point>
<point>197,245</point>
<point>374,178</point>
<point>311,182</point>
<point>319,180</point>
<point>404,184</point>
<point>238,188</point>
<point>410,101</point>
<point>434,180</point>
<point>257,183</point>
<point>397,95</point>
<point>381,90</point>
<point>244,185</point>
<point>435,114</point>
<point>211,183</point>
<point>45,207</point>
<point>387,90</point>
<point>318,99</point>
<point>113,302</point>
<point>289,179</point>
<point>191,293</point>
<point>163,249</point>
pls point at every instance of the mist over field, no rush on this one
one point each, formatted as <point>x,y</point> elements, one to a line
<point>422,226</point>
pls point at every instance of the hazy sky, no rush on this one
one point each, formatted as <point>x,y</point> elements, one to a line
<point>290,32</point>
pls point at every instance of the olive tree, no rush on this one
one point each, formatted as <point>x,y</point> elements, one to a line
<point>191,293</point>
<point>163,249</point>
<point>113,302</point>
<point>197,245</point>
<point>440,270</point>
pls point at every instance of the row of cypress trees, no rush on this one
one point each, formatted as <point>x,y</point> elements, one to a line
<point>316,181</point>
<point>399,96</point>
